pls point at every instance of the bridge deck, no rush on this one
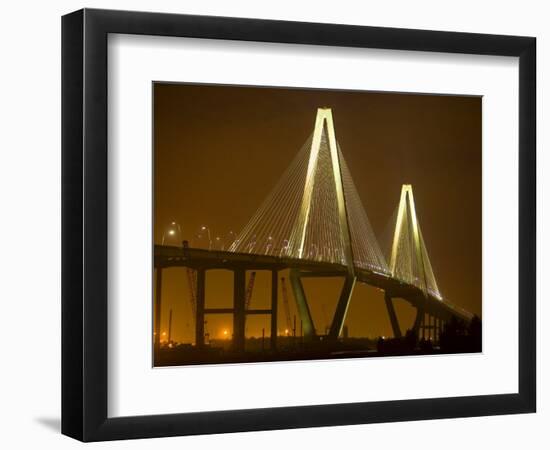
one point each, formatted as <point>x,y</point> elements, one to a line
<point>168,256</point>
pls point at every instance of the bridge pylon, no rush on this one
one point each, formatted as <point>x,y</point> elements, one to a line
<point>409,261</point>
<point>323,134</point>
<point>324,140</point>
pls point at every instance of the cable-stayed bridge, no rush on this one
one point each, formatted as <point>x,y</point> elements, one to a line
<point>313,222</point>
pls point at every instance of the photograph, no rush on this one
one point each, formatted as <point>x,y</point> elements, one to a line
<point>274,226</point>
<point>300,224</point>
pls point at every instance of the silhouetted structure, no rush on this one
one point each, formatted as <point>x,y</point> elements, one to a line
<point>461,337</point>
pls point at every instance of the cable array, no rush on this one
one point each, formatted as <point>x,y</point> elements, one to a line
<point>268,231</point>
<point>282,227</point>
<point>366,250</point>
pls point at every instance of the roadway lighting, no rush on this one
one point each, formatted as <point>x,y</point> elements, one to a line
<point>269,244</point>
<point>284,248</point>
<point>205,228</point>
<point>172,234</point>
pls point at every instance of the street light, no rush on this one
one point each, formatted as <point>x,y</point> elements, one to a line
<point>205,229</point>
<point>269,245</point>
<point>219,243</point>
<point>284,248</point>
<point>172,235</point>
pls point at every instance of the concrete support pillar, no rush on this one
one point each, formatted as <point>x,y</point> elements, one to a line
<point>342,307</point>
<point>199,320</point>
<point>239,314</point>
<point>274,305</point>
<point>158,307</point>
<point>423,325</point>
<point>418,321</point>
<point>393,316</point>
<point>301,304</point>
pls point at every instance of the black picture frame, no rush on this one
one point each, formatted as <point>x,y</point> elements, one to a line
<point>84,224</point>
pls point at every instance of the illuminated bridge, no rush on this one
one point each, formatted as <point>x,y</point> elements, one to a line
<point>314,224</point>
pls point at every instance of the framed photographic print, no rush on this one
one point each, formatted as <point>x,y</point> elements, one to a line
<point>315,224</point>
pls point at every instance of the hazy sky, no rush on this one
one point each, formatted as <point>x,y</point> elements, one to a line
<point>219,150</point>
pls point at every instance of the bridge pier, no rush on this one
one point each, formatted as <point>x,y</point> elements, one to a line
<point>199,319</point>
<point>393,316</point>
<point>431,328</point>
<point>274,305</point>
<point>423,326</point>
<point>239,312</point>
<point>342,307</point>
<point>418,321</point>
<point>301,302</point>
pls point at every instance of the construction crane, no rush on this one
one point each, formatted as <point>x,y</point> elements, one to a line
<point>250,287</point>
<point>287,307</point>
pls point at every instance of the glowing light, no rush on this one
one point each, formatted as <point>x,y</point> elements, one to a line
<point>171,232</point>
